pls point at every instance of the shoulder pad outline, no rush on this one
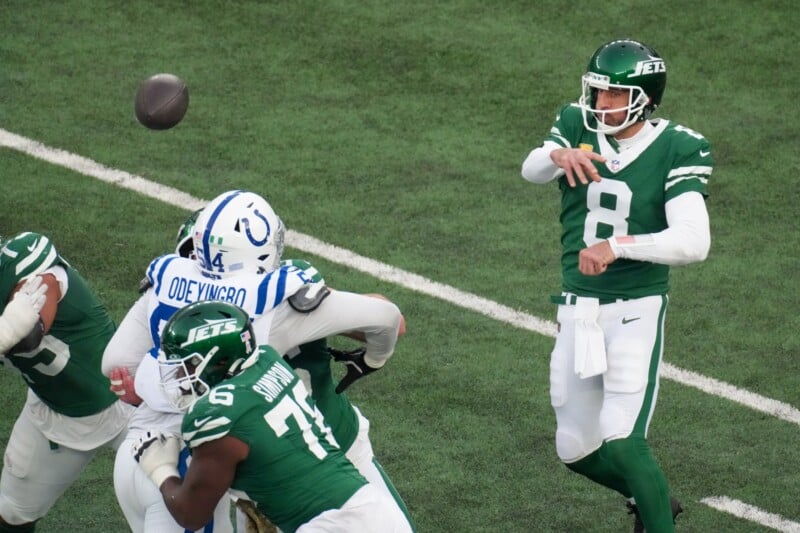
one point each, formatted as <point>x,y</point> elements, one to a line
<point>309,297</point>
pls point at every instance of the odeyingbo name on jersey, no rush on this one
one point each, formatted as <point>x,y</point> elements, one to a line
<point>191,290</point>
<point>178,282</point>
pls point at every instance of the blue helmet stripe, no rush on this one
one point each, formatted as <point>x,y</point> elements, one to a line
<point>206,260</point>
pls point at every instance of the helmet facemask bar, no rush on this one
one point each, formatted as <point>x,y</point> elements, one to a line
<point>272,260</point>
<point>181,378</point>
<point>636,110</point>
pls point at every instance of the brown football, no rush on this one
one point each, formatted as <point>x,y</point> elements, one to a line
<point>161,101</point>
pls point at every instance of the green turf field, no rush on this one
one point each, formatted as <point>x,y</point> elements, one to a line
<point>396,130</point>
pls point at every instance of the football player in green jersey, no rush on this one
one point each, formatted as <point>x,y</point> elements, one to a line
<point>312,362</point>
<point>633,194</point>
<point>52,331</point>
<point>299,323</point>
<point>254,430</point>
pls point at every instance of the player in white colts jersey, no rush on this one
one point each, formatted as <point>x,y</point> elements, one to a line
<point>244,221</point>
<point>632,204</point>
<point>232,237</point>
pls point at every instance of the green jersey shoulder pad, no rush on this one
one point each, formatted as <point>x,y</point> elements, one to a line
<point>692,161</point>
<point>313,274</point>
<point>30,254</point>
<point>568,126</point>
<point>23,256</point>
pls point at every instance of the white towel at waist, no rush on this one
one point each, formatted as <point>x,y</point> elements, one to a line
<point>590,344</point>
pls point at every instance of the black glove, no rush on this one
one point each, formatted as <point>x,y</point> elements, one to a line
<point>356,367</point>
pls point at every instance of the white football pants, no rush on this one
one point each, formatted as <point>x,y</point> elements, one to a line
<point>142,503</point>
<point>619,402</point>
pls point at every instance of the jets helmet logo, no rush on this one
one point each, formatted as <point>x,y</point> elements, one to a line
<point>653,65</point>
<point>211,329</point>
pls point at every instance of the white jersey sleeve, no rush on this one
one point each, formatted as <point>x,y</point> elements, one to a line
<point>686,240</point>
<point>341,312</point>
<point>131,341</point>
<point>538,167</point>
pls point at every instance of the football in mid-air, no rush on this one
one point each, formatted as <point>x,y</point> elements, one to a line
<point>161,101</point>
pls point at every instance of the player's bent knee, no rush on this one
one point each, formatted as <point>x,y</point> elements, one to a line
<point>570,447</point>
<point>14,518</point>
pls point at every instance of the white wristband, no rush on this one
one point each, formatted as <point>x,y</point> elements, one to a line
<point>162,473</point>
<point>622,244</point>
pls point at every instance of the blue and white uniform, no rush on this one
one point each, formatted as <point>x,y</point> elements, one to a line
<point>176,282</point>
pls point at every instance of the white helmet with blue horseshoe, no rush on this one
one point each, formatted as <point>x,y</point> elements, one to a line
<point>238,231</point>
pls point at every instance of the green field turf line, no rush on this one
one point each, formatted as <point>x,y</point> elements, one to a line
<point>384,272</point>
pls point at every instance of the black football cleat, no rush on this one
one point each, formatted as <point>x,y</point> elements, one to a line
<point>638,525</point>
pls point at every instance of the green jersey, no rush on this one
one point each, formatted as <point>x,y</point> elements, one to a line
<point>315,360</point>
<point>637,181</point>
<point>64,370</point>
<point>294,470</point>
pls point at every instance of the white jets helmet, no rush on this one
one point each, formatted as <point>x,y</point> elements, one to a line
<point>238,232</point>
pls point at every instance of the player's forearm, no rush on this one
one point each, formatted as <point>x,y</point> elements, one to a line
<point>148,387</point>
<point>686,240</point>
<point>342,312</point>
<point>380,345</point>
<point>538,167</point>
<point>379,322</point>
<point>183,507</point>
<point>130,342</point>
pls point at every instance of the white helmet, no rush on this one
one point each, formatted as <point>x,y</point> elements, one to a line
<point>238,232</point>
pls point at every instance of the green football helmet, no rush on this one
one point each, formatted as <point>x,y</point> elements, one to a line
<point>184,245</point>
<point>628,65</point>
<point>202,344</point>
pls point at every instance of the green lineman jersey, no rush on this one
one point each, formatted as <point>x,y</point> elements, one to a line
<point>64,370</point>
<point>629,200</point>
<point>336,408</point>
<point>295,470</point>
<point>315,360</point>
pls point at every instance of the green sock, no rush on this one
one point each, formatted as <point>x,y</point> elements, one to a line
<point>634,460</point>
<point>597,468</point>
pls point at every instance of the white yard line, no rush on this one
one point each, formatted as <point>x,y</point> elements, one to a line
<point>384,272</point>
<point>472,302</point>
<point>751,513</point>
